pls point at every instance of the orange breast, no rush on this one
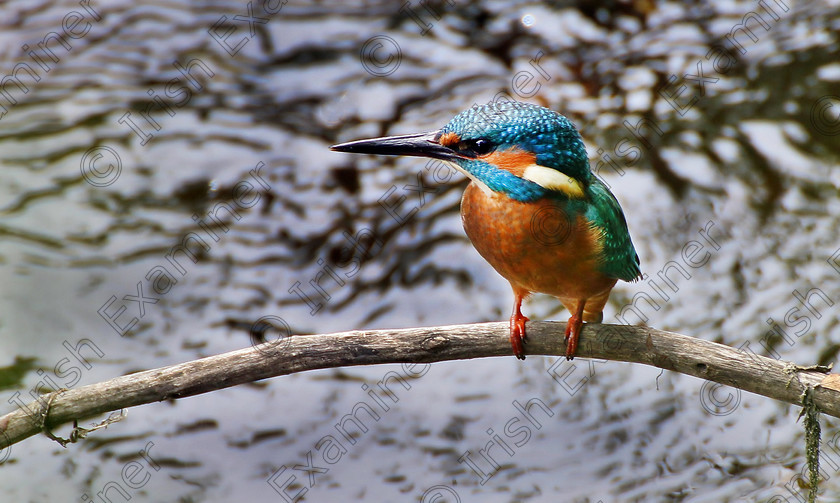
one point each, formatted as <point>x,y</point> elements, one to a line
<point>537,246</point>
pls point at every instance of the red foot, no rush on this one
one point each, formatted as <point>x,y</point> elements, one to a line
<point>573,328</point>
<point>517,334</point>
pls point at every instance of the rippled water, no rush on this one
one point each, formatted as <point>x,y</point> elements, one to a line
<point>151,117</point>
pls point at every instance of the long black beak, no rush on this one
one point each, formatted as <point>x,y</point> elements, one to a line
<point>419,145</point>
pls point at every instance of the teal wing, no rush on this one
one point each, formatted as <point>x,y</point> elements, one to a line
<point>620,258</point>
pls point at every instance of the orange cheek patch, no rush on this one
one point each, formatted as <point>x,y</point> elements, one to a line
<point>513,160</point>
<point>449,139</point>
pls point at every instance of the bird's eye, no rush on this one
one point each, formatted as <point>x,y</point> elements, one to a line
<point>477,147</point>
<point>482,147</point>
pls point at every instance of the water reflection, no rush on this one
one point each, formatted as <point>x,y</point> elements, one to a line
<point>143,133</point>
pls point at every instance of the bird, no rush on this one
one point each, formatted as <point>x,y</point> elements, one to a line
<point>533,209</point>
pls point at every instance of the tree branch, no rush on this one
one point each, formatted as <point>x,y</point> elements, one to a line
<point>696,357</point>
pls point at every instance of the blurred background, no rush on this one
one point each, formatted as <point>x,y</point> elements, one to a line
<point>124,125</point>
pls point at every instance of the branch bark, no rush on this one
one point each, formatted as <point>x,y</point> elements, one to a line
<point>776,379</point>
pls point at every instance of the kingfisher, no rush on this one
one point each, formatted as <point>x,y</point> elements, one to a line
<point>533,208</point>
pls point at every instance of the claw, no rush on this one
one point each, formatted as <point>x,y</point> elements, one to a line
<point>518,335</point>
<point>517,325</point>
<point>573,329</point>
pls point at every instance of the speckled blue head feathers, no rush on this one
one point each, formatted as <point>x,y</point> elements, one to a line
<point>524,151</point>
<point>507,128</point>
<point>546,133</point>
